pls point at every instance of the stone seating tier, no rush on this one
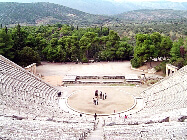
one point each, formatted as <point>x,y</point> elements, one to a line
<point>27,129</point>
<point>25,95</point>
<point>171,130</point>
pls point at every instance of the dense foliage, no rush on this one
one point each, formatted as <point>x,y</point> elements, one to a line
<point>76,36</point>
<point>65,43</point>
<point>62,43</point>
<point>154,46</point>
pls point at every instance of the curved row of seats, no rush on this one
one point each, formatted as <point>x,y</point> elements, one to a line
<point>26,79</point>
<point>167,95</point>
<point>29,108</point>
<point>21,89</point>
<point>24,96</point>
<point>161,117</point>
<point>37,130</point>
<point>172,130</point>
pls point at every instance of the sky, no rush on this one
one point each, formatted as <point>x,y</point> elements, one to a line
<point>106,0</point>
<point>150,0</point>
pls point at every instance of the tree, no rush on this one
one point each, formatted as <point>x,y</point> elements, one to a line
<point>88,45</point>
<point>124,51</point>
<point>51,50</point>
<point>180,62</point>
<point>60,54</point>
<point>6,44</point>
<point>40,45</point>
<point>175,50</point>
<point>136,62</point>
<point>141,51</point>
<point>156,41</point>
<point>70,47</point>
<point>177,58</point>
<point>28,56</point>
<point>148,46</point>
<point>165,47</point>
<point>111,45</point>
<point>113,39</point>
<point>19,37</point>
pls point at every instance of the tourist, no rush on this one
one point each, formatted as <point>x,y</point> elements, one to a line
<point>94,100</point>
<point>101,95</point>
<point>125,118</point>
<point>97,102</point>
<point>105,95</point>
<point>96,93</point>
<point>95,116</point>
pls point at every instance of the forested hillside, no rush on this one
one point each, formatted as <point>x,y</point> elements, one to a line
<point>47,13</point>
<point>113,7</point>
<point>166,15</point>
<point>64,43</point>
<point>171,23</point>
<point>79,37</point>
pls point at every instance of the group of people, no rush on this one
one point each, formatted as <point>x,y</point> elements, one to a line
<point>102,96</point>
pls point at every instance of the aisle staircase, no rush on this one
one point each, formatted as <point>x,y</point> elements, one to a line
<point>97,134</point>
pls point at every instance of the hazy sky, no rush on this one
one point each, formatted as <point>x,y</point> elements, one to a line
<point>93,0</point>
<point>150,0</point>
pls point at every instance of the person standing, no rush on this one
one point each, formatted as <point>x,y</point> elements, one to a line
<point>94,101</point>
<point>101,95</point>
<point>125,118</point>
<point>96,93</point>
<point>105,96</point>
<point>95,116</point>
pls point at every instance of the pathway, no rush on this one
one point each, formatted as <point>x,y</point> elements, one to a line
<point>98,133</point>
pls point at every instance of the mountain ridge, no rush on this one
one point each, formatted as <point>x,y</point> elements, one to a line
<point>111,7</point>
<point>49,13</point>
<point>153,15</point>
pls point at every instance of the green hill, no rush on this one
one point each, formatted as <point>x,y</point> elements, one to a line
<point>47,13</point>
<point>153,15</point>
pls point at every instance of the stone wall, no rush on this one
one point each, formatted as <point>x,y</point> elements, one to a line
<point>31,68</point>
<point>170,69</point>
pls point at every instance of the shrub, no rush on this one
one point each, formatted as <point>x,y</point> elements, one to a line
<point>136,62</point>
<point>84,60</point>
<point>161,67</point>
<point>179,63</point>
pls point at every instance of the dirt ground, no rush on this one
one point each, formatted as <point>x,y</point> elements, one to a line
<point>53,73</point>
<point>119,98</point>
